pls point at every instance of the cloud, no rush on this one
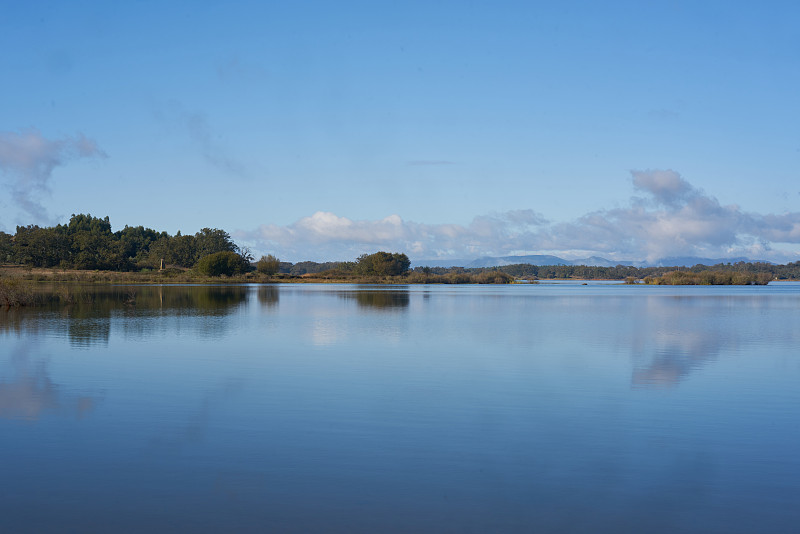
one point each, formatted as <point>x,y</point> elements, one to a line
<point>676,219</point>
<point>30,159</point>
<point>325,235</point>
<point>196,125</point>
<point>666,217</point>
<point>666,187</point>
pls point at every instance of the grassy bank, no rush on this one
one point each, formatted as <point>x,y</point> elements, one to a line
<point>17,284</point>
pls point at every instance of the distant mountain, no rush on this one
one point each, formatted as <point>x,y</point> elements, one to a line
<point>439,263</point>
<point>596,261</point>
<point>536,259</point>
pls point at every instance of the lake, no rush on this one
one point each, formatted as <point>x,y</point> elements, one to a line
<point>343,408</point>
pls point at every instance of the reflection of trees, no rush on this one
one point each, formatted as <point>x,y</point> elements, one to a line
<point>89,330</point>
<point>268,296</point>
<point>202,300</point>
<point>85,313</point>
<point>392,299</point>
<point>30,392</point>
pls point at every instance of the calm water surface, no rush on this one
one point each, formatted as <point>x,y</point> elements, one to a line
<point>340,408</point>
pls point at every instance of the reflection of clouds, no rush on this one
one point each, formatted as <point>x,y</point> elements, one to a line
<point>324,331</point>
<point>30,392</point>
<point>327,328</point>
<point>675,336</point>
<point>27,397</point>
<point>196,425</point>
<point>677,354</point>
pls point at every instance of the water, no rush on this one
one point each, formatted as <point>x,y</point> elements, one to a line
<point>338,408</point>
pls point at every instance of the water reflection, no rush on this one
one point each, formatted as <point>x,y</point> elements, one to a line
<point>268,296</point>
<point>675,355</point>
<point>82,301</point>
<point>88,330</point>
<point>195,427</point>
<point>84,313</point>
<point>401,409</point>
<point>27,391</point>
<point>379,299</point>
<point>675,336</point>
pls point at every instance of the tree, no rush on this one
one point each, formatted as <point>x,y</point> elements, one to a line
<point>93,246</point>
<point>135,241</point>
<point>268,264</point>
<point>226,262</point>
<point>211,240</point>
<point>382,264</point>
<point>180,250</point>
<point>41,247</point>
<point>6,247</point>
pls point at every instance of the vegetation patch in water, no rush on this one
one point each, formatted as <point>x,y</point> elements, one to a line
<point>709,278</point>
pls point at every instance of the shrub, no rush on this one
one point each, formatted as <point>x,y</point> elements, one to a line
<point>15,292</point>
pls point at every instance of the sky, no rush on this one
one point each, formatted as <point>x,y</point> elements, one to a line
<point>318,130</point>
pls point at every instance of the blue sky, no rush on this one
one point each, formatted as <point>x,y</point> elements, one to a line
<point>323,130</point>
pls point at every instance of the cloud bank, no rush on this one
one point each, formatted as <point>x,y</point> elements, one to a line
<point>30,159</point>
<point>666,216</point>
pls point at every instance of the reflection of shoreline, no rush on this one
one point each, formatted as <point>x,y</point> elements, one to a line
<point>366,298</point>
<point>268,296</point>
<point>86,316</point>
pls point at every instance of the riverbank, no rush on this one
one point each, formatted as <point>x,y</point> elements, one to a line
<point>21,286</point>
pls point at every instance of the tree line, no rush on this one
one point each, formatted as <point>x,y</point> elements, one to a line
<point>789,271</point>
<point>524,271</point>
<point>87,242</point>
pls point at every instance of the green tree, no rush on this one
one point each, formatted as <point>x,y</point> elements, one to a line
<point>211,240</point>
<point>180,250</point>
<point>6,247</point>
<point>382,264</point>
<point>40,247</point>
<point>226,262</point>
<point>93,245</point>
<point>268,264</point>
<point>135,241</point>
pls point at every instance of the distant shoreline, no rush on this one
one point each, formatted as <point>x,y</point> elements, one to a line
<point>498,275</point>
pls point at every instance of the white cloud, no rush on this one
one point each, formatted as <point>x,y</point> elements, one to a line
<point>666,187</point>
<point>325,235</point>
<point>30,159</point>
<point>669,217</point>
